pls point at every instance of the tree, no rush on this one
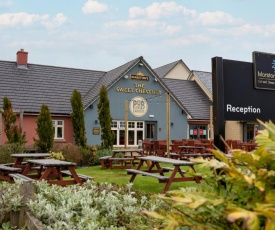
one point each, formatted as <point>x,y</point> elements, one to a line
<point>105,119</point>
<point>44,130</point>
<point>77,117</point>
<point>13,133</point>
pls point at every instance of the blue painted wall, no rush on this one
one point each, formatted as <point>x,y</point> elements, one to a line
<point>156,107</point>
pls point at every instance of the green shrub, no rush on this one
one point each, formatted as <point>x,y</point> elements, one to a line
<point>238,194</point>
<point>70,152</point>
<point>93,206</point>
<point>101,152</point>
<point>7,149</point>
<point>57,156</point>
<point>89,155</point>
<point>10,199</point>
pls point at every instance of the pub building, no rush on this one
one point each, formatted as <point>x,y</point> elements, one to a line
<point>139,95</point>
<point>151,101</point>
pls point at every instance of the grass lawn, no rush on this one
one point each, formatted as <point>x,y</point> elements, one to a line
<point>142,183</point>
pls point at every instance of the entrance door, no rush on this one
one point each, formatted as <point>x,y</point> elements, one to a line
<point>151,130</point>
<point>250,131</point>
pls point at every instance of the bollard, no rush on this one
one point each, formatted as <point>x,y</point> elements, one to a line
<point>139,144</point>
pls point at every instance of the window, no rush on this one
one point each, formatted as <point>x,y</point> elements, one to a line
<point>198,132</point>
<point>58,126</point>
<point>135,131</point>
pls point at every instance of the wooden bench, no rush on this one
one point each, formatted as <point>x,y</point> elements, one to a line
<point>7,168</point>
<point>159,177</point>
<point>122,160</point>
<point>20,177</point>
<point>104,161</point>
<point>174,155</point>
<point>11,164</point>
<point>166,169</point>
<point>81,176</point>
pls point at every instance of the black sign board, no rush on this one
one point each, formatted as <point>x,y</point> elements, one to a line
<point>264,70</point>
<point>235,94</point>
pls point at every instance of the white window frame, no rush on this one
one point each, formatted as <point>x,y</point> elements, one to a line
<point>121,126</point>
<point>56,126</point>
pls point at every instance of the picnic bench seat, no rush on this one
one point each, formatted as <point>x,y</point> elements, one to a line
<point>11,164</point>
<point>81,176</point>
<point>20,177</point>
<point>4,167</point>
<point>165,169</point>
<point>104,161</point>
<point>143,173</point>
<point>174,155</point>
<point>122,160</point>
<point>6,170</point>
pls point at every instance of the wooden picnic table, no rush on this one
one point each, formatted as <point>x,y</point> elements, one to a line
<point>126,159</point>
<point>156,171</point>
<point>192,151</point>
<point>247,146</point>
<point>21,156</point>
<point>51,171</point>
<point>18,166</point>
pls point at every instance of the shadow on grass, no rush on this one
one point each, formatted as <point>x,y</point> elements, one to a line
<point>141,183</point>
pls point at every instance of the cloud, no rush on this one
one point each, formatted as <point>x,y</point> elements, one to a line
<point>158,10</point>
<point>170,30</point>
<point>215,19</point>
<point>132,25</point>
<point>247,30</point>
<point>191,39</point>
<point>5,4</point>
<point>137,25</point>
<point>93,7</point>
<point>25,19</point>
<point>59,20</point>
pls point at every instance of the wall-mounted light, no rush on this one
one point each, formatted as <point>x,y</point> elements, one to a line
<point>126,76</point>
<point>151,115</point>
<point>156,79</point>
<point>96,122</point>
<point>172,123</point>
<point>140,64</point>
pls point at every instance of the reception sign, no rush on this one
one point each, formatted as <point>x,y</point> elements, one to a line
<point>242,91</point>
<point>243,95</point>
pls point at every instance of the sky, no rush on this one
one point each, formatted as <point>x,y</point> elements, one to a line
<point>104,34</point>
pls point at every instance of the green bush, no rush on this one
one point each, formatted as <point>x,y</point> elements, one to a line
<point>89,155</point>
<point>101,152</point>
<point>70,152</point>
<point>93,206</point>
<point>7,149</point>
<point>238,194</point>
<point>57,156</point>
<point>10,199</point>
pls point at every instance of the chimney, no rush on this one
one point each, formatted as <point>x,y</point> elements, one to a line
<point>22,58</point>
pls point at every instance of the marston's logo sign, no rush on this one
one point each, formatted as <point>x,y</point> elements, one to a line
<point>264,70</point>
<point>139,76</point>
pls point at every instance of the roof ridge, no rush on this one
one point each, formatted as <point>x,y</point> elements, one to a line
<point>107,80</point>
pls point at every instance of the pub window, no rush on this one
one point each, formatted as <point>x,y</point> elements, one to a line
<point>58,127</point>
<point>135,132</point>
<point>198,132</point>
